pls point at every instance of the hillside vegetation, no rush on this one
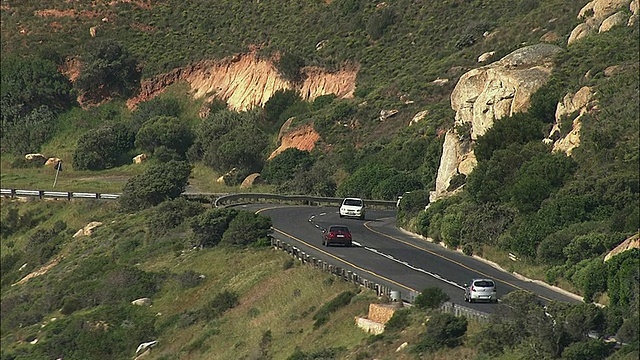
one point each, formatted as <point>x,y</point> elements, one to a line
<point>69,68</point>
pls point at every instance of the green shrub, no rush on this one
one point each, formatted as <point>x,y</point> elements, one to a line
<point>247,228</point>
<point>592,349</point>
<point>289,66</point>
<point>164,131</point>
<point>430,298</point>
<point>286,166</point>
<point>103,148</point>
<point>322,315</point>
<point>160,182</point>
<point>156,107</point>
<point>108,69</point>
<point>171,214</point>
<point>443,330</point>
<point>209,227</point>
<point>220,303</point>
<point>379,22</point>
<point>400,320</point>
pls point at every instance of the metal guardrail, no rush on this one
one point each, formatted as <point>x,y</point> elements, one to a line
<point>41,194</point>
<point>227,199</point>
<point>217,200</point>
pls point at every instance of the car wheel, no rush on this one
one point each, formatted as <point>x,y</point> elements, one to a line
<point>350,244</point>
<point>361,217</point>
<point>341,216</point>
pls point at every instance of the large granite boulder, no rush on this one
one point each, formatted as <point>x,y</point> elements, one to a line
<point>484,95</point>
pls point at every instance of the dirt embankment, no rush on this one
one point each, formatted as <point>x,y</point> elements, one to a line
<point>245,81</point>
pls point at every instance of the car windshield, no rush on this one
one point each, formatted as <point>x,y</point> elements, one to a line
<point>484,283</point>
<point>339,229</point>
<point>353,202</point>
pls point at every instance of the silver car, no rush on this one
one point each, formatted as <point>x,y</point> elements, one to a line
<point>480,290</point>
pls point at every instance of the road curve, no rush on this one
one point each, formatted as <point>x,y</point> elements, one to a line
<point>395,258</point>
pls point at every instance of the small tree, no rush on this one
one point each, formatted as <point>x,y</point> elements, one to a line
<point>443,330</point>
<point>287,165</point>
<point>431,298</point>
<point>103,148</point>
<point>209,227</point>
<point>163,181</point>
<point>165,131</point>
<point>108,69</point>
<point>247,228</point>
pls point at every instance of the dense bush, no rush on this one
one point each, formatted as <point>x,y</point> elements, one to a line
<point>314,182</point>
<point>247,228</point>
<point>171,214</point>
<point>364,181</point>
<point>431,298</point>
<point>27,134</point>
<point>322,315</point>
<point>160,182</point>
<point>103,148</point>
<point>286,166</point>
<point>220,303</point>
<point>209,227</point>
<point>289,66</point>
<point>28,83</point>
<point>276,107</point>
<point>108,69</point>
<point>164,131</point>
<point>104,332</point>
<point>443,330</point>
<point>230,140</point>
<point>156,107</point>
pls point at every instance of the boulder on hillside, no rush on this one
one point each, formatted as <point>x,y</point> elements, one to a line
<point>88,229</point>
<point>600,16</point>
<point>142,302</point>
<point>250,180</point>
<point>139,159</point>
<point>52,161</point>
<point>486,94</point>
<point>35,157</point>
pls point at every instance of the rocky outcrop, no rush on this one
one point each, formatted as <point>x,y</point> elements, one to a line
<point>579,103</point>
<point>303,138</point>
<point>484,95</point>
<point>631,243</point>
<point>601,16</point>
<point>250,180</point>
<point>246,81</point>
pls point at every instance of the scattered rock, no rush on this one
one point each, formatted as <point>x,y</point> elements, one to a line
<point>385,114</point>
<point>145,346</point>
<point>139,159</point>
<point>35,157</point>
<point>142,302</point>
<point>88,229</point>
<point>52,161</point>
<point>440,81</point>
<point>486,56</point>
<point>418,117</point>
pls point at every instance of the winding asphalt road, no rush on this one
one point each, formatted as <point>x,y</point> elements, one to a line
<point>394,258</point>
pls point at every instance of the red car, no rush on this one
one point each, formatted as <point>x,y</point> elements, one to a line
<point>336,234</point>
